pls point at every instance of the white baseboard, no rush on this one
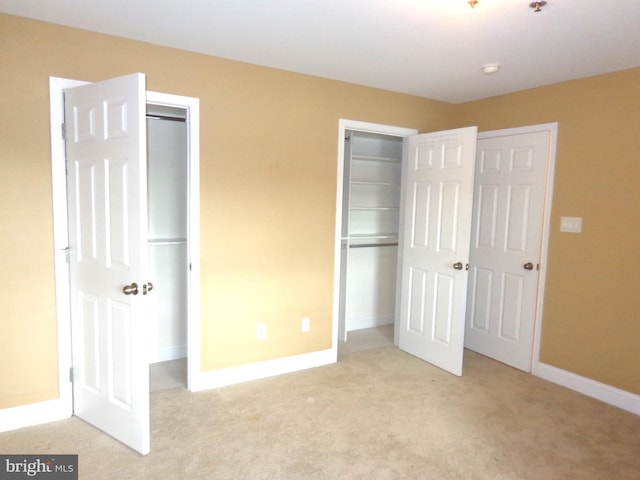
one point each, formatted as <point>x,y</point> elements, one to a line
<point>600,391</point>
<point>268,368</point>
<point>164,354</point>
<point>37,413</point>
<point>34,414</point>
<point>368,322</point>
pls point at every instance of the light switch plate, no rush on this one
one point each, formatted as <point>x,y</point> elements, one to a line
<point>261,331</point>
<point>571,224</point>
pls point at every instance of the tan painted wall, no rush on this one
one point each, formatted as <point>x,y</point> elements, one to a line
<point>268,183</point>
<point>591,323</point>
<point>268,161</point>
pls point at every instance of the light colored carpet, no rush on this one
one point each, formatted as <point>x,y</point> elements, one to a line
<point>366,339</point>
<point>169,374</point>
<point>376,414</point>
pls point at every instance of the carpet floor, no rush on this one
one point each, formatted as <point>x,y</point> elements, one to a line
<point>376,414</point>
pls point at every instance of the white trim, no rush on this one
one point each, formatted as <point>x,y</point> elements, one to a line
<point>165,354</point>
<point>61,268</point>
<point>552,129</point>
<point>359,323</point>
<point>546,232</point>
<point>600,391</point>
<point>343,126</point>
<point>22,416</point>
<point>255,371</point>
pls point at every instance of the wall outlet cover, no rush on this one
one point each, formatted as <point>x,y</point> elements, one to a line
<point>571,224</point>
<point>261,331</point>
<point>306,324</point>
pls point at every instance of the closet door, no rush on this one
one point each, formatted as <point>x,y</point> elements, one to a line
<point>434,248</point>
<point>506,244</point>
<point>107,205</point>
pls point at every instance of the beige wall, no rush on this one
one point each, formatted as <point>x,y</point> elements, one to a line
<point>591,323</point>
<point>268,177</point>
<point>268,183</point>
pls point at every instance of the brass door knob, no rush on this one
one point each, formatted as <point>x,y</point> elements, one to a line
<point>130,289</point>
<point>458,265</point>
<point>528,266</point>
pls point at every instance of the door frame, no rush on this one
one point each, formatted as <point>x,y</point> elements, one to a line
<point>61,241</point>
<point>551,128</point>
<point>365,127</point>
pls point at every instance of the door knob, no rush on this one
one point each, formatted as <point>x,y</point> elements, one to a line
<point>528,266</point>
<point>146,288</point>
<point>130,289</point>
<point>458,265</point>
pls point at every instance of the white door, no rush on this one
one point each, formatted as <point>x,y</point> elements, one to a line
<point>506,245</point>
<point>107,208</point>
<point>434,245</point>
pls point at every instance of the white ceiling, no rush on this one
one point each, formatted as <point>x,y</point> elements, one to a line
<point>429,48</point>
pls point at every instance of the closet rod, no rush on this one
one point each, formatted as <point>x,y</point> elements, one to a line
<point>365,245</point>
<point>153,116</point>
<point>166,242</point>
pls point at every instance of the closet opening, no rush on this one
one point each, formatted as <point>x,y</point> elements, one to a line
<point>167,190</point>
<point>372,173</point>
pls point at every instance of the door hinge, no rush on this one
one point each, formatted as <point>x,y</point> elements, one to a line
<point>71,374</point>
<point>63,130</point>
<point>67,254</point>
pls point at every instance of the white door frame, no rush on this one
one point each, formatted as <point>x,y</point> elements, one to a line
<point>61,241</point>
<point>192,106</point>
<point>343,126</point>
<point>552,128</point>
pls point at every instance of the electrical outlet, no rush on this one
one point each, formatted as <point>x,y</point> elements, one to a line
<point>306,324</point>
<point>261,331</point>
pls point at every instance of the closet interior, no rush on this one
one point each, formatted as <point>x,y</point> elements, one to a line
<point>369,231</point>
<point>167,173</point>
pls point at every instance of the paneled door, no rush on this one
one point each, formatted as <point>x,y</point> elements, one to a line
<point>107,211</point>
<point>506,241</point>
<point>434,245</point>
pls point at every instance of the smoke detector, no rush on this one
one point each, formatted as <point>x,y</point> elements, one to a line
<point>490,68</point>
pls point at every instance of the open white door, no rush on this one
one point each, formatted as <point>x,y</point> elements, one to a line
<point>107,208</point>
<point>434,245</point>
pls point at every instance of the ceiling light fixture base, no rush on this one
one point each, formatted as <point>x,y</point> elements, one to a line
<point>537,6</point>
<point>490,68</point>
